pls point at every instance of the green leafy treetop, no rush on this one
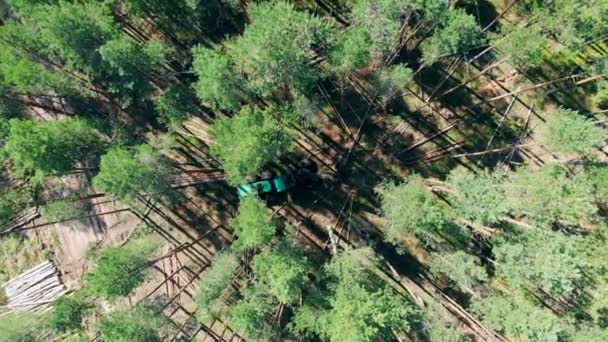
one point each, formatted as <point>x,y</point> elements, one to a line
<point>519,319</point>
<point>247,142</point>
<point>138,324</point>
<point>569,132</point>
<point>248,316</point>
<point>128,172</point>
<point>75,32</point>
<point>214,282</point>
<point>460,267</point>
<point>380,21</point>
<point>132,64</point>
<point>67,313</point>
<point>549,195</point>
<point>253,226</point>
<point>358,308</point>
<point>173,106</point>
<point>550,261</point>
<point>350,52</point>
<point>410,208</point>
<point>18,327</point>
<point>480,197</point>
<point>525,46</point>
<point>120,270</point>
<point>282,271</point>
<point>64,209</point>
<point>52,147</point>
<point>458,33</point>
<point>219,83</point>
<point>274,51</point>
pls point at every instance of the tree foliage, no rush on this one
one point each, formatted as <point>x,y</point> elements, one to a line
<point>129,172</point>
<point>519,318</point>
<point>478,197</point>
<point>249,314</point>
<point>524,46</point>
<point>281,271</point>
<point>214,282</point>
<point>274,49</point>
<point>549,195</point>
<point>68,313</point>
<point>550,261</point>
<point>253,226</point>
<point>249,141</point>
<point>50,147</point>
<point>219,82</point>
<point>410,208</point>
<point>119,270</point>
<point>358,308</point>
<point>458,33</point>
<point>460,267</point>
<point>64,209</point>
<point>569,132</point>
<point>138,324</point>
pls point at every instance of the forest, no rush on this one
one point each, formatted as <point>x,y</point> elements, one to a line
<point>304,170</point>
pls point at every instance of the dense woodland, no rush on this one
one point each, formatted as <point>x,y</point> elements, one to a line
<point>461,146</point>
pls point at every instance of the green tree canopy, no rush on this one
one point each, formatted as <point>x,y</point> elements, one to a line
<point>281,271</point>
<point>458,33</point>
<point>569,132</point>
<point>137,324</point>
<point>519,319</point>
<point>64,209</point>
<point>174,106</point>
<point>549,195</point>
<point>219,82</point>
<point>460,267</point>
<point>358,307</point>
<point>274,51</point>
<point>133,64</point>
<point>410,208</point>
<point>51,147</point>
<point>214,281</point>
<point>128,172</point>
<point>18,327</point>
<point>248,316</point>
<point>478,197</point>
<point>67,313</point>
<point>247,142</point>
<point>524,46</point>
<point>253,226</point>
<point>119,270</point>
<point>381,22</point>
<point>550,261</point>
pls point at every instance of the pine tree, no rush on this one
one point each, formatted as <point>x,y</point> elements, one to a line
<point>281,271</point>
<point>519,319</point>
<point>248,141</point>
<point>130,172</point>
<point>219,83</point>
<point>52,147</point>
<point>253,226</point>
<point>457,34</point>
<point>569,132</point>
<point>137,324</point>
<point>524,46</point>
<point>543,260</point>
<point>548,195</point>
<point>410,208</point>
<point>460,267</point>
<point>214,281</point>
<point>274,51</point>
<point>478,197</point>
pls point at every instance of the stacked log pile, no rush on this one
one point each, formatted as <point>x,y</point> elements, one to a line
<point>34,289</point>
